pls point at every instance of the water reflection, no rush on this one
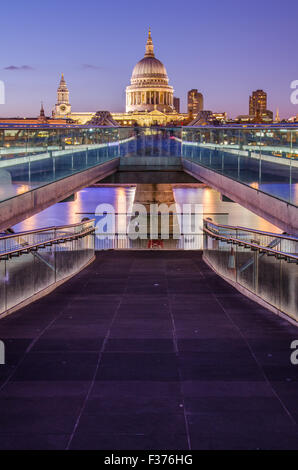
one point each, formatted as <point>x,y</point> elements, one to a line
<point>203,200</point>
<point>84,205</point>
<point>219,210</point>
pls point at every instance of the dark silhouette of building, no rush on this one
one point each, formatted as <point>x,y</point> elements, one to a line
<point>102,118</point>
<point>42,117</point>
<point>176,103</point>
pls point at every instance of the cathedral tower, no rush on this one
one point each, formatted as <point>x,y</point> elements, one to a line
<point>62,107</point>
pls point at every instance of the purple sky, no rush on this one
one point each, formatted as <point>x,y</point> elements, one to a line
<point>225,48</point>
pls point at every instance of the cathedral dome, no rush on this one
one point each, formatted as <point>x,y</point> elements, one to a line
<point>149,67</point>
<point>149,84</point>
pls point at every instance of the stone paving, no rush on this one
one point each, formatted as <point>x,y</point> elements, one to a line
<point>147,350</point>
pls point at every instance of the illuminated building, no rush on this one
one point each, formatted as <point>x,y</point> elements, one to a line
<point>62,108</point>
<point>222,117</point>
<point>257,103</point>
<point>205,117</point>
<point>149,97</point>
<point>149,88</point>
<point>41,119</point>
<point>293,118</point>
<point>265,117</point>
<point>195,102</point>
<point>277,117</point>
<point>258,111</point>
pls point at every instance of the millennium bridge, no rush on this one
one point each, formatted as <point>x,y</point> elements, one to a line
<point>186,342</point>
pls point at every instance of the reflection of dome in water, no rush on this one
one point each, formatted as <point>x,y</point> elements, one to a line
<point>149,87</point>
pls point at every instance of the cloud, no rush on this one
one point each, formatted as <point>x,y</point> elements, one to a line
<point>19,67</point>
<point>91,67</point>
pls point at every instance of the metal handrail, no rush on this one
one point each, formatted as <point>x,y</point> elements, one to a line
<point>251,230</point>
<point>253,246</point>
<point>44,229</point>
<point>27,248</point>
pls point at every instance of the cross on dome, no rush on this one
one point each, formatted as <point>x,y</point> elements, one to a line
<point>149,46</point>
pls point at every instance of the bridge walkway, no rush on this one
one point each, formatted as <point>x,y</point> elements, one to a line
<point>147,350</point>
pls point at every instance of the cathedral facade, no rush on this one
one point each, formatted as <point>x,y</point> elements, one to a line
<point>149,97</point>
<point>62,107</point>
<point>149,88</point>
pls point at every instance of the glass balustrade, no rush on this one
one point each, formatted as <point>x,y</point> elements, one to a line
<point>33,157</point>
<point>31,262</point>
<point>263,263</point>
<point>265,158</point>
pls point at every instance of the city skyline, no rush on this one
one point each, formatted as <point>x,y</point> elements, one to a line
<point>217,54</point>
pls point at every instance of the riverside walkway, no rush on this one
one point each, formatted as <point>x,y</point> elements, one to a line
<point>147,350</point>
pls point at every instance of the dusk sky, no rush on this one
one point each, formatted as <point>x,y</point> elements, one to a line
<point>224,48</point>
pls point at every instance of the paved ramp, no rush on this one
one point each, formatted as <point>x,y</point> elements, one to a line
<point>147,350</point>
